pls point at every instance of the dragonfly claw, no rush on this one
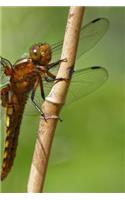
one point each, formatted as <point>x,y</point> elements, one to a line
<point>64,60</point>
<point>61,79</point>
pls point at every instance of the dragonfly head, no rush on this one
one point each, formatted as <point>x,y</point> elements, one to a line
<point>40,54</point>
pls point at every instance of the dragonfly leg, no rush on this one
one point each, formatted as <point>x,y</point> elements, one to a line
<point>5,62</point>
<point>45,117</point>
<point>61,79</point>
<point>8,68</point>
<point>51,65</point>
<point>70,71</point>
<point>35,104</point>
<point>4,95</point>
<point>38,81</point>
<point>51,77</point>
<point>41,88</point>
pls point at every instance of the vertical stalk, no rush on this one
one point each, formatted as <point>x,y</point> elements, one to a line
<point>54,102</point>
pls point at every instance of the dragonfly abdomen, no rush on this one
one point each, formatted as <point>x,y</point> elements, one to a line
<point>14,112</point>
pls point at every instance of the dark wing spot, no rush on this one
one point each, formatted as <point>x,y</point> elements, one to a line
<point>95,67</point>
<point>95,20</point>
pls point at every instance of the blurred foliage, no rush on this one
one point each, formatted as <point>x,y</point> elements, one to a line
<point>88,149</point>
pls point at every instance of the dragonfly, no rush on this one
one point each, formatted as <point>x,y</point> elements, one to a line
<point>22,79</point>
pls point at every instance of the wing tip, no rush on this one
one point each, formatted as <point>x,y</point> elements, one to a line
<point>95,20</point>
<point>99,18</point>
<point>101,68</point>
<point>105,20</point>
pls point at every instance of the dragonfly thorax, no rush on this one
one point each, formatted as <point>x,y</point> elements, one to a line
<point>40,54</point>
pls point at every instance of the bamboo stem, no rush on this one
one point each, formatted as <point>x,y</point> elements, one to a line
<point>54,102</point>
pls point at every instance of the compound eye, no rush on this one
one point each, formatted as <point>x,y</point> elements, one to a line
<point>35,53</point>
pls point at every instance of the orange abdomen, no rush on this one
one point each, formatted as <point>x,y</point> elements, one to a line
<point>14,112</point>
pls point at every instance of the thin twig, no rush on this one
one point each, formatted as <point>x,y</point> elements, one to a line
<point>54,102</point>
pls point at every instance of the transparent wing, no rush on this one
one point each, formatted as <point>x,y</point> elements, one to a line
<point>30,109</point>
<point>89,36</point>
<point>86,81</point>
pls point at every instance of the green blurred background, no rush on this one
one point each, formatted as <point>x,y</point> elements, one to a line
<point>88,148</point>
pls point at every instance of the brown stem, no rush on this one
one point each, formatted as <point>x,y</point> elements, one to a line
<point>54,102</point>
